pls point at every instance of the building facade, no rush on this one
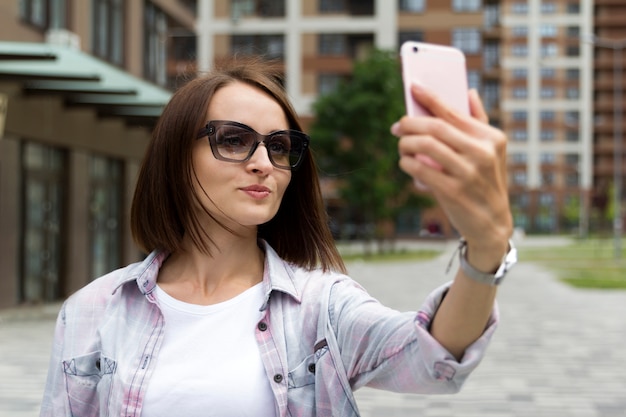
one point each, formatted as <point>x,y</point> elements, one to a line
<point>81,86</point>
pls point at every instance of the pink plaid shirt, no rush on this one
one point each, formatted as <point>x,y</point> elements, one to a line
<point>321,337</point>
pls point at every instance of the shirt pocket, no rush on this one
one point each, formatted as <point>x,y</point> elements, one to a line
<point>304,374</point>
<point>88,380</point>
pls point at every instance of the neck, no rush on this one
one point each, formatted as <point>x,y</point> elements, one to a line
<point>236,263</point>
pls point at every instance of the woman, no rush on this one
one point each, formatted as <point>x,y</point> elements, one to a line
<point>242,307</point>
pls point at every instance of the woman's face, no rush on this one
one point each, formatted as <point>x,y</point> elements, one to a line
<point>241,193</point>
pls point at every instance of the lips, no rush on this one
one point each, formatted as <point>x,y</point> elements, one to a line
<point>256,191</point>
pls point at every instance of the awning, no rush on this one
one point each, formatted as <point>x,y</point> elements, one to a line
<point>81,80</point>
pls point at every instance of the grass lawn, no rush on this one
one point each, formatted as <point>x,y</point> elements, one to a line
<point>588,263</point>
<point>395,256</point>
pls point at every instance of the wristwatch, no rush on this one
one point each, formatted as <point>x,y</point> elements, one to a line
<point>496,278</point>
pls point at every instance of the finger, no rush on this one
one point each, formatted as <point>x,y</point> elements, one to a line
<point>428,149</point>
<point>477,109</point>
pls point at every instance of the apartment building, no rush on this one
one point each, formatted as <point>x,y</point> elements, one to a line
<point>319,40</point>
<point>81,86</point>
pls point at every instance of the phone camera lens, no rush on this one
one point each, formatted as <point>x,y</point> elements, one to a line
<point>415,49</point>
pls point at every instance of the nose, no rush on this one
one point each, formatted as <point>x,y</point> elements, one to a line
<point>260,160</point>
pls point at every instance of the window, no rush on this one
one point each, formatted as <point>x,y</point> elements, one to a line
<point>417,35</point>
<point>547,158</point>
<point>518,158</point>
<point>491,15</point>
<point>571,118</point>
<point>45,14</point>
<point>520,116</point>
<point>546,199</point>
<point>546,135</point>
<point>573,7</point>
<point>549,49</point>
<point>520,135</point>
<point>548,7</point>
<point>519,178</point>
<point>572,159</point>
<point>328,83</point>
<point>573,31</point>
<point>155,56</point>
<point>466,5</point>
<point>473,79</point>
<point>332,6</point>
<point>519,73</point>
<point>491,95</point>
<point>547,115</point>
<point>332,44</point>
<point>572,74</point>
<point>547,178</point>
<point>519,31</point>
<point>572,50</point>
<point>548,30</point>
<point>520,7</point>
<point>412,5</point>
<point>572,136</point>
<point>519,50</point>
<point>572,179</point>
<point>108,30</point>
<point>520,92</point>
<point>467,40</point>
<point>105,214</point>
<point>547,92</point>
<point>572,93</point>
<point>270,46</point>
<point>491,55</point>
<point>548,73</point>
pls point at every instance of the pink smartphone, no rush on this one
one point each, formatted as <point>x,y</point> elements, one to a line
<point>438,68</point>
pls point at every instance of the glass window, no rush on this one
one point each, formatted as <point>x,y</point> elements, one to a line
<point>548,73</point>
<point>547,115</point>
<point>491,95</point>
<point>412,5</point>
<point>520,135</point>
<point>416,35</point>
<point>473,79</point>
<point>546,199</point>
<point>519,31</point>
<point>271,46</point>
<point>549,49</point>
<point>572,136</point>
<point>547,158</point>
<point>572,50</point>
<point>520,73</point>
<point>519,177</point>
<point>332,6</point>
<point>548,30</point>
<point>155,55</point>
<point>491,55</point>
<point>328,83</point>
<point>466,5</point>
<point>519,50</point>
<point>572,93</point>
<point>519,7</point>
<point>105,214</point>
<point>468,40</point>
<point>573,31</point>
<point>108,30</point>
<point>332,44</point>
<point>573,7</point>
<point>520,92</point>
<point>546,135</point>
<point>518,158</point>
<point>572,74</point>
<point>572,159</point>
<point>520,115</point>
<point>547,92</point>
<point>548,7</point>
<point>572,179</point>
<point>547,178</point>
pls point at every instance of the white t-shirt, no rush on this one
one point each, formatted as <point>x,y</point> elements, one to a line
<point>210,364</point>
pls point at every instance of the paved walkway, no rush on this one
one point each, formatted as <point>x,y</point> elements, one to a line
<point>559,352</point>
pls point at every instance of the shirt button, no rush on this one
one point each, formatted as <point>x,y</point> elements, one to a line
<point>312,368</point>
<point>262,326</point>
<point>278,378</point>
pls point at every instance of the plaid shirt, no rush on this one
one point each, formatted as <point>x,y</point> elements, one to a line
<point>321,336</point>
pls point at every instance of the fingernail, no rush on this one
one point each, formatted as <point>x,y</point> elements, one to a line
<point>395,129</point>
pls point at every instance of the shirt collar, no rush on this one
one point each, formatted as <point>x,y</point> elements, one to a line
<point>278,275</point>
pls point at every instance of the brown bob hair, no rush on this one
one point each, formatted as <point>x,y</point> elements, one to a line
<point>162,208</point>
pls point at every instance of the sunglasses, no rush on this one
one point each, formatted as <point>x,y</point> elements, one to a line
<point>236,142</point>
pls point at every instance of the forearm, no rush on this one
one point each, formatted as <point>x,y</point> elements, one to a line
<point>463,314</point>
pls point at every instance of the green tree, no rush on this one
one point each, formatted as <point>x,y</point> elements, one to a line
<point>351,135</point>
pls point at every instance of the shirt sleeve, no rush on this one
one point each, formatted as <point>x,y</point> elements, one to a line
<point>54,403</point>
<point>383,348</point>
